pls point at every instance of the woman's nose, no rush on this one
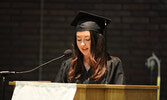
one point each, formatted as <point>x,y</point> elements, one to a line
<point>82,43</point>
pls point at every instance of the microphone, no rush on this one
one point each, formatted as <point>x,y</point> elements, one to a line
<point>66,53</point>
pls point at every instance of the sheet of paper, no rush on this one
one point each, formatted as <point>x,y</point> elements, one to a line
<point>44,91</point>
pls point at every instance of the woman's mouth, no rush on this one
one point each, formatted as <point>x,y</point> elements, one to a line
<point>84,49</point>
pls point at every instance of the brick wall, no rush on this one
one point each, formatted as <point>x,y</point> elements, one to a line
<point>137,29</point>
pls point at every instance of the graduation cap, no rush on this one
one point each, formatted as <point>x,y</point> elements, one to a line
<point>85,21</point>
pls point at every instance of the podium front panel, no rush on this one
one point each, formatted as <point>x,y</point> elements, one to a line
<point>113,92</point>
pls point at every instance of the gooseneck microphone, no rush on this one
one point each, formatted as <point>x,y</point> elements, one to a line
<point>66,53</point>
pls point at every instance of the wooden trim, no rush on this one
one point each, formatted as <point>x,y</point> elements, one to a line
<point>117,86</point>
<point>14,82</point>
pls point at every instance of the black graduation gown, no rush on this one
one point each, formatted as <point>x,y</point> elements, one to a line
<point>114,73</point>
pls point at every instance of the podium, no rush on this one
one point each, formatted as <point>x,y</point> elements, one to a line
<point>113,92</point>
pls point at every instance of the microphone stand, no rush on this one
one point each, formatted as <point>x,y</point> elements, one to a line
<point>4,74</point>
<point>67,53</point>
<point>3,87</point>
<point>7,73</point>
<point>151,62</point>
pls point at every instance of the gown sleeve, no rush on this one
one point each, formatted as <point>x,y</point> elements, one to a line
<point>63,72</point>
<point>115,71</point>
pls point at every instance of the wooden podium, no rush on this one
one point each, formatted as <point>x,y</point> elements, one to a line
<point>114,92</point>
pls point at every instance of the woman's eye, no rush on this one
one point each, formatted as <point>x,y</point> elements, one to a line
<point>87,39</point>
<point>78,39</point>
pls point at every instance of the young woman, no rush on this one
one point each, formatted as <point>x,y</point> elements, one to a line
<point>90,63</point>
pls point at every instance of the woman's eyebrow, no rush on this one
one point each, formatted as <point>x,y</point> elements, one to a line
<point>87,36</point>
<point>84,36</point>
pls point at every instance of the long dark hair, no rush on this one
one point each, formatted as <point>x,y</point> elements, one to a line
<point>98,58</point>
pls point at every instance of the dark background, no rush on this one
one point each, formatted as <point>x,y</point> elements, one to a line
<point>35,31</point>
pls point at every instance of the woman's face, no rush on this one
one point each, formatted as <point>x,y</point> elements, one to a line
<point>83,39</point>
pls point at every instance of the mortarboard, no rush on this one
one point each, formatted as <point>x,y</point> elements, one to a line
<point>85,21</point>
